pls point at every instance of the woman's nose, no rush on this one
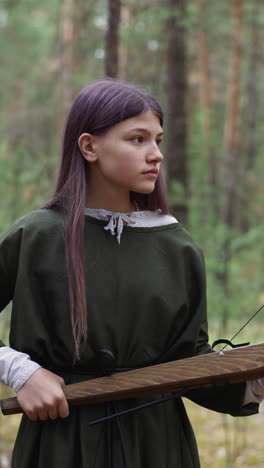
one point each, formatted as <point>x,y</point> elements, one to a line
<point>155,154</point>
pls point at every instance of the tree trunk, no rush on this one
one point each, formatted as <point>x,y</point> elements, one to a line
<point>204,70</point>
<point>13,143</point>
<point>253,96</point>
<point>231,138</point>
<point>126,18</point>
<point>177,113</point>
<point>69,38</point>
<point>231,155</point>
<point>206,105</point>
<point>112,38</point>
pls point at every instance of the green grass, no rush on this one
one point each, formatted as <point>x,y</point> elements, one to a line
<point>224,441</point>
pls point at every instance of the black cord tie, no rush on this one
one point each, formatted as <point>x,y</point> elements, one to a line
<point>228,343</point>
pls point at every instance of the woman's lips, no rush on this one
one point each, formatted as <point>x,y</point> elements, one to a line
<point>151,173</point>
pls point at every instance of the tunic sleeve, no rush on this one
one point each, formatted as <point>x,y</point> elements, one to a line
<point>226,398</point>
<point>9,255</point>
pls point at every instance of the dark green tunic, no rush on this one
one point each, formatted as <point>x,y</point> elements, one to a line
<point>146,304</point>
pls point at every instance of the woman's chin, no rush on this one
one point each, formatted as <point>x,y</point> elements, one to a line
<point>145,190</point>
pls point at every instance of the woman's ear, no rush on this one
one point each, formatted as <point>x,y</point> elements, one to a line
<point>86,145</point>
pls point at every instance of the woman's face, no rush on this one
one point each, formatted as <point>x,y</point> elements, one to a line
<point>127,157</point>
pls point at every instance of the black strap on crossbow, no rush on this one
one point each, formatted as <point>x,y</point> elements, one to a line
<point>229,342</point>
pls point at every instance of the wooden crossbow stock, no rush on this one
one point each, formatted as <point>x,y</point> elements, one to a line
<point>227,367</point>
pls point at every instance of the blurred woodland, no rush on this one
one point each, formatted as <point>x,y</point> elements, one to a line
<point>204,60</point>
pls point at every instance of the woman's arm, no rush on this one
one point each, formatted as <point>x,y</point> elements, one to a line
<point>15,367</point>
<point>232,399</point>
<point>39,391</point>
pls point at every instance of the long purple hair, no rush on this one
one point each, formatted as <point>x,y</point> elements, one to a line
<point>97,107</point>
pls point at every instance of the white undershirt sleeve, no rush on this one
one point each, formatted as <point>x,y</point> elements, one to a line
<point>15,367</point>
<point>254,392</point>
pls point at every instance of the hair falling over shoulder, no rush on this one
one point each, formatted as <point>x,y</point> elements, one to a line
<point>97,107</point>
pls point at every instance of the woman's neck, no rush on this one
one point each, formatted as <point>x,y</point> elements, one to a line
<point>101,194</point>
<point>118,205</point>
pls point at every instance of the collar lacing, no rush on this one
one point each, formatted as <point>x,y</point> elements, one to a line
<point>116,224</point>
<point>116,220</point>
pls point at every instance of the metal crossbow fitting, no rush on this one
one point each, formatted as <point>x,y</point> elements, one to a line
<point>229,342</point>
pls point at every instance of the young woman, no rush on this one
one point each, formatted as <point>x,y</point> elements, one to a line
<point>103,271</point>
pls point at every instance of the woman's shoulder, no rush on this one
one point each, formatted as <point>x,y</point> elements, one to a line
<point>172,228</point>
<point>177,238</point>
<point>40,220</point>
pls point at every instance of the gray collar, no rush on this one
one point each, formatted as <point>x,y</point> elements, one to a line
<point>117,220</point>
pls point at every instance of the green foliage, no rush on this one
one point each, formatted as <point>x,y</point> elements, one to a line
<point>30,96</point>
<point>23,185</point>
<point>176,193</point>
<point>30,130</point>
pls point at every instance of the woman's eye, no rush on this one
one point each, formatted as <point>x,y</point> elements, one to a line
<point>138,139</point>
<point>158,142</point>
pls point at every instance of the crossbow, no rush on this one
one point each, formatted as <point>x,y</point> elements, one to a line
<point>241,364</point>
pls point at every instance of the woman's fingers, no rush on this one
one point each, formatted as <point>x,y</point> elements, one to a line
<point>42,396</point>
<point>42,415</point>
<point>63,408</point>
<point>51,410</point>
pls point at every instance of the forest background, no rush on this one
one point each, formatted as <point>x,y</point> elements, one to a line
<point>204,60</point>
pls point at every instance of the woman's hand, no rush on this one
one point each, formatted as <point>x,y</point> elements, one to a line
<point>41,396</point>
